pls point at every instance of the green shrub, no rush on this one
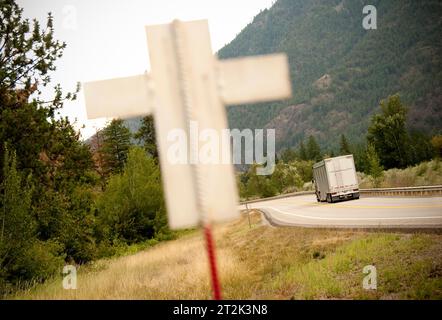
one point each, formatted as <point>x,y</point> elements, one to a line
<point>422,169</point>
<point>70,220</point>
<point>39,261</point>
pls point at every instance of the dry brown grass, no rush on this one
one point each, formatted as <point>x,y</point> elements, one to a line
<point>173,270</point>
<point>263,262</point>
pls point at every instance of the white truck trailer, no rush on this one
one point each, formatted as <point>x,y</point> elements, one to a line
<point>335,179</point>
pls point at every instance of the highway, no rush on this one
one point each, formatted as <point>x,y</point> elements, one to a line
<point>366,212</point>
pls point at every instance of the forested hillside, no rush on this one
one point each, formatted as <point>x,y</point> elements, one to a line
<point>340,71</point>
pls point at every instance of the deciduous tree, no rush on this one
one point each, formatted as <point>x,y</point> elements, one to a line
<point>388,134</point>
<point>132,206</point>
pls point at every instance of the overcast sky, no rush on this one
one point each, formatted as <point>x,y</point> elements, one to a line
<point>106,38</point>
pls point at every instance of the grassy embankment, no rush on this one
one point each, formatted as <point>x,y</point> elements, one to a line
<point>424,174</point>
<point>263,262</point>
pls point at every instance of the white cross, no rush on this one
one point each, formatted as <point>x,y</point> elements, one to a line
<point>186,83</point>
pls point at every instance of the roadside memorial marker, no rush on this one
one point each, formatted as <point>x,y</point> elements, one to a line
<point>187,84</point>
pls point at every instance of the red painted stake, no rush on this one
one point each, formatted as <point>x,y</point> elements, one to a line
<point>216,287</point>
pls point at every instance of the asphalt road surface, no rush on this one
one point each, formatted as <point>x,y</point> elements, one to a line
<point>368,212</point>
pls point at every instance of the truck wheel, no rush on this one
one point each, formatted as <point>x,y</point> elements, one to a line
<point>329,198</point>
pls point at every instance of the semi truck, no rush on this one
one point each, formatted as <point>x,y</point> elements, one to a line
<point>335,179</point>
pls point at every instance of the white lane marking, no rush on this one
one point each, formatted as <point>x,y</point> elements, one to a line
<point>340,218</point>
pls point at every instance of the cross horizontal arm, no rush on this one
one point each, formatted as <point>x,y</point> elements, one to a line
<point>254,79</point>
<point>121,97</point>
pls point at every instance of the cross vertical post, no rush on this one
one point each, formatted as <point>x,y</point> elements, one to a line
<point>181,53</point>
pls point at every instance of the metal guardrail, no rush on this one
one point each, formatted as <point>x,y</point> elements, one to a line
<point>281,196</point>
<point>403,192</point>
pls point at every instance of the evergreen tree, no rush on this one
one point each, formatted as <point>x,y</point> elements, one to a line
<point>374,166</point>
<point>27,56</point>
<point>302,152</point>
<point>344,147</point>
<point>146,135</point>
<point>17,226</point>
<point>313,149</point>
<point>116,144</point>
<point>23,257</point>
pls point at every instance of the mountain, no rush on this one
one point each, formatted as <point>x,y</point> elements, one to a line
<point>340,71</point>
